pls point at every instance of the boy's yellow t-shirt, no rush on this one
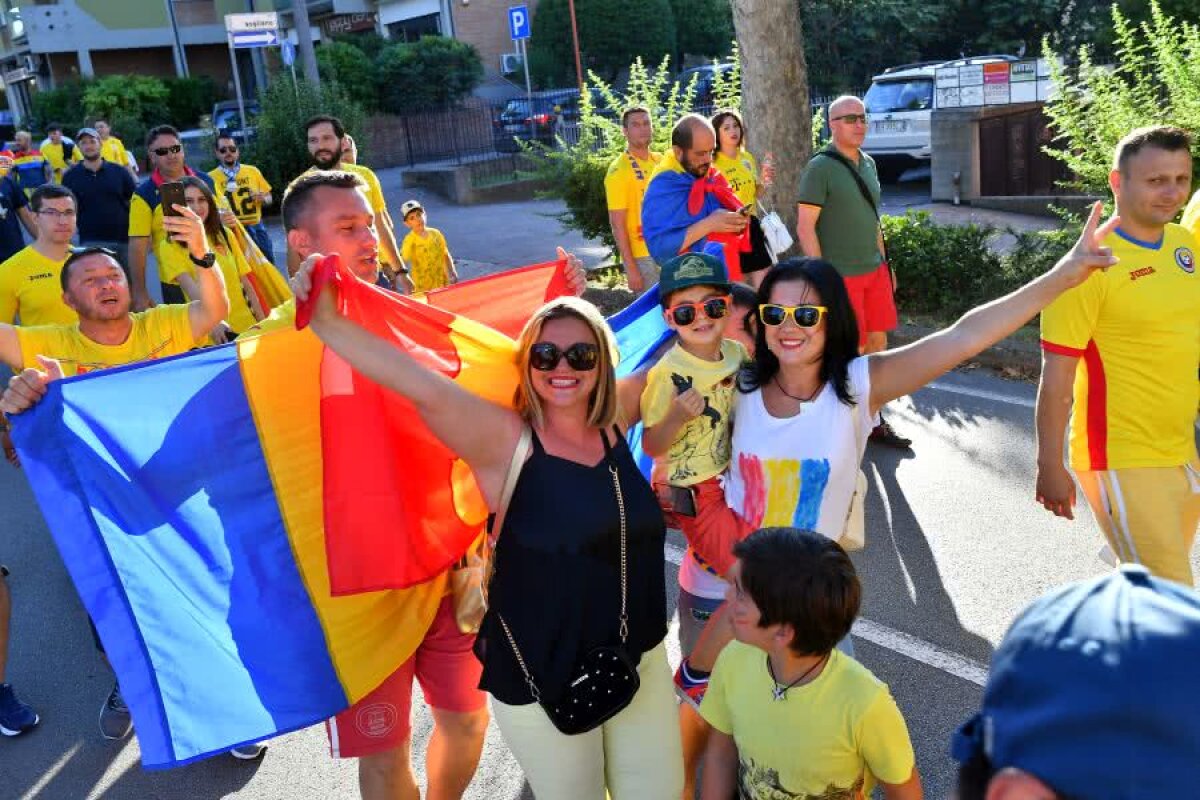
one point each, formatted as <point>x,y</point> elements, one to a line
<point>702,448</point>
<point>426,259</point>
<point>833,737</point>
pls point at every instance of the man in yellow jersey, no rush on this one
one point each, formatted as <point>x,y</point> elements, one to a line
<point>1127,341</point>
<point>106,335</point>
<point>29,281</point>
<point>1191,216</point>
<point>246,190</point>
<point>326,144</point>
<point>146,231</point>
<point>624,187</point>
<point>59,153</point>
<point>112,149</point>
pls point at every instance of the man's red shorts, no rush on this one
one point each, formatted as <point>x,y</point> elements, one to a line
<point>873,301</point>
<point>449,675</point>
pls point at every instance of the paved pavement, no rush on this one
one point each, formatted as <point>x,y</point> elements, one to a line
<point>956,548</point>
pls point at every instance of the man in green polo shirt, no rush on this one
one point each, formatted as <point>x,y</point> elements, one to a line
<point>838,220</point>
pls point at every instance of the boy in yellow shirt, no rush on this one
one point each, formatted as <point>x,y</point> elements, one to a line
<point>425,251</point>
<point>792,716</point>
<point>59,154</point>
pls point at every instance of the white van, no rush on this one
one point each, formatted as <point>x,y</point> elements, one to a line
<point>899,105</point>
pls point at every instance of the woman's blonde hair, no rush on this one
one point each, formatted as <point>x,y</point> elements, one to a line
<point>602,405</point>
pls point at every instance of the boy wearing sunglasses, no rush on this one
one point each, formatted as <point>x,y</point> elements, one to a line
<point>687,410</point>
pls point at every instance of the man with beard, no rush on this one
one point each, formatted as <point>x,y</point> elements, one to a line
<point>624,187</point>
<point>326,144</point>
<point>104,190</point>
<point>683,209</point>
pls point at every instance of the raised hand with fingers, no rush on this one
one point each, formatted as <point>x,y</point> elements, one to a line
<point>1089,253</point>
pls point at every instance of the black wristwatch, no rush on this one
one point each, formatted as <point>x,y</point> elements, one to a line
<point>206,262</point>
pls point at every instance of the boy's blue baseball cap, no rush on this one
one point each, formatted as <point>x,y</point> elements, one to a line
<point>1095,691</point>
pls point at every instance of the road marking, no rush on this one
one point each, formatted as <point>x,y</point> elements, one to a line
<point>983,394</point>
<point>51,773</point>
<point>899,642</point>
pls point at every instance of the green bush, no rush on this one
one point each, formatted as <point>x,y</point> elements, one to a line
<point>946,270</point>
<point>189,99</point>
<point>280,149</point>
<point>350,66</point>
<point>575,172</point>
<point>63,105</point>
<point>1156,80</point>
<point>432,72</point>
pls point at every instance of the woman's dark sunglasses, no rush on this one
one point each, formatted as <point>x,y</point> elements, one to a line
<point>685,314</point>
<point>582,356</point>
<point>804,316</point>
<point>162,151</point>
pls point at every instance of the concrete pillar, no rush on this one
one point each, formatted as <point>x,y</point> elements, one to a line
<point>85,63</point>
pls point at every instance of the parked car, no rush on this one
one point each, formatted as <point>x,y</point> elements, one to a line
<point>705,78</point>
<point>227,117</point>
<point>539,118</point>
<point>900,104</point>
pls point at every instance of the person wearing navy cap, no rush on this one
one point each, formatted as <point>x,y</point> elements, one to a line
<point>1092,694</point>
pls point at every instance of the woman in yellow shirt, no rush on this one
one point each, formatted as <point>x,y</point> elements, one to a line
<point>244,306</point>
<point>740,168</point>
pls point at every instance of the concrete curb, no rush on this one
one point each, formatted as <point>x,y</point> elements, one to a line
<point>1008,354</point>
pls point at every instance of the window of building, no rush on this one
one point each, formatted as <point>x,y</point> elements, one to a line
<point>414,28</point>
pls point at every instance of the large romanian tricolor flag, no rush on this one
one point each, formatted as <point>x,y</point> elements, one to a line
<point>189,499</point>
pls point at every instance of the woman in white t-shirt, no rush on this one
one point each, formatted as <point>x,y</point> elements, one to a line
<point>808,400</point>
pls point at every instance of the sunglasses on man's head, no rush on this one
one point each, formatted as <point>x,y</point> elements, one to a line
<point>805,316</point>
<point>162,151</point>
<point>684,314</point>
<point>582,356</point>
<point>227,149</point>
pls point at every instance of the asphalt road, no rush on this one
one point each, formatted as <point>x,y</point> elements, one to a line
<point>955,549</point>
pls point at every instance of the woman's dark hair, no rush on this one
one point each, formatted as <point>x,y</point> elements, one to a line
<point>841,326</point>
<point>212,224</point>
<point>719,118</point>
<point>803,580</point>
<point>746,297</point>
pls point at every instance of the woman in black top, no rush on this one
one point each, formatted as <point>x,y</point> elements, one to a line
<point>557,582</point>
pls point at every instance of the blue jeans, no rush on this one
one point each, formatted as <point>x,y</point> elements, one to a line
<point>262,238</point>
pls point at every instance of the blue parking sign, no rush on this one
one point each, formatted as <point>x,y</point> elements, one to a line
<point>518,22</point>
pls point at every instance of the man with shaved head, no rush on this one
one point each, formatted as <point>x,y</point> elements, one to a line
<point>677,214</point>
<point>838,221</point>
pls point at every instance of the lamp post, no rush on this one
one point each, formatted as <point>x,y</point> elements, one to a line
<point>181,65</point>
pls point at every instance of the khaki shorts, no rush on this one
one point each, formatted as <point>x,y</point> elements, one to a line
<point>1149,515</point>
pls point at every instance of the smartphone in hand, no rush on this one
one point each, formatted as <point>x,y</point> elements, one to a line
<point>171,195</point>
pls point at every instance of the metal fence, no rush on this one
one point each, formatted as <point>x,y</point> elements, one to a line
<point>485,135</point>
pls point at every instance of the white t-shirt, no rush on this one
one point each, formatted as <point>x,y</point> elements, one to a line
<point>797,472</point>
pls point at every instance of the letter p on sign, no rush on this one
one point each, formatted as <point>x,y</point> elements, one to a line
<point>518,22</point>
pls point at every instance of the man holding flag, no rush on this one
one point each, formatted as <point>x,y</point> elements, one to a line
<point>688,204</point>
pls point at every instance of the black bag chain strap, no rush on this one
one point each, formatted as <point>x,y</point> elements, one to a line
<point>624,618</point>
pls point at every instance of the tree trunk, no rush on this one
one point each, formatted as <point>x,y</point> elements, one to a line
<point>775,94</point>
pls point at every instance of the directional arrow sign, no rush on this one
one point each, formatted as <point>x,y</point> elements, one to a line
<point>256,39</point>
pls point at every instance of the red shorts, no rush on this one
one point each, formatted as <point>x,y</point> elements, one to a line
<point>871,296</point>
<point>715,528</point>
<point>449,675</point>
